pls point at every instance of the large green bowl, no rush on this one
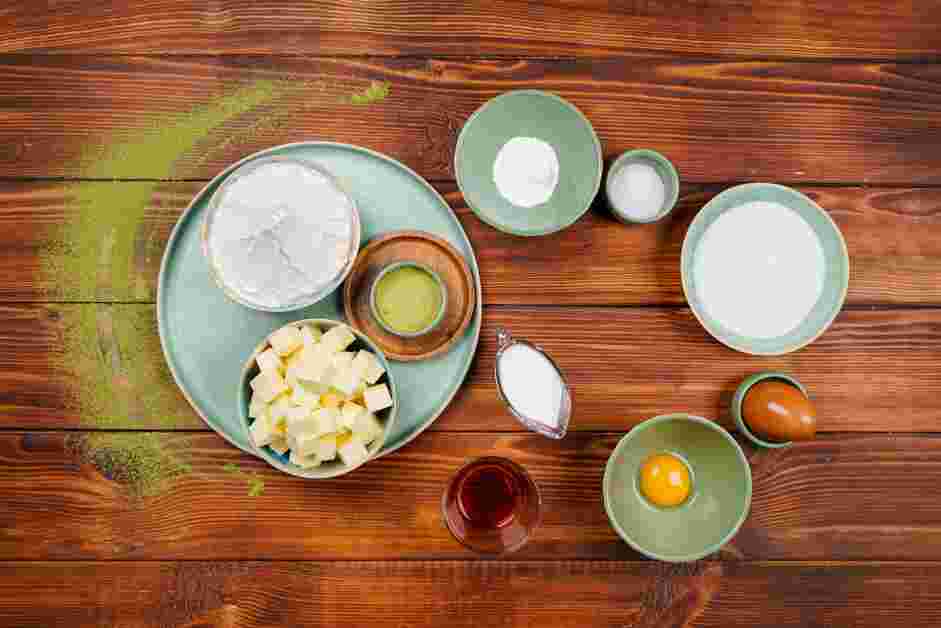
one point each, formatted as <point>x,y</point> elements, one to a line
<point>529,113</point>
<point>836,273</point>
<point>718,503</point>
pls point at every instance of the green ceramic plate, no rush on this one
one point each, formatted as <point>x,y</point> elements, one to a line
<point>529,113</point>
<point>718,503</point>
<point>206,337</point>
<point>836,280</point>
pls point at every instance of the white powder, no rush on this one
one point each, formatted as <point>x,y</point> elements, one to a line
<point>759,270</point>
<point>531,384</point>
<point>638,191</point>
<point>280,235</point>
<point>526,171</point>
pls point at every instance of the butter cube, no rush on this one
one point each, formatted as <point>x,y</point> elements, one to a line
<point>343,360</point>
<point>345,381</point>
<point>292,360</point>
<point>310,335</point>
<point>280,445</point>
<point>327,419</point>
<point>262,432</point>
<point>305,462</point>
<point>306,444</point>
<point>286,340</point>
<point>317,388</point>
<point>368,367</point>
<point>296,414</point>
<point>268,360</point>
<point>290,378</point>
<point>307,425</point>
<point>349,413</point>
<point>327,447</point>
<point>280,407</point>
<point>268,385</point>
<point>377,398</point>
<point>367,427</point>
<point>331,399</point>
<point>337,339</point>
<point>301,396</point>
<point>315,365</point>
<point>357,395</point>
<point>312,402</point>
<point>256,407</point>
<point>353,452</point>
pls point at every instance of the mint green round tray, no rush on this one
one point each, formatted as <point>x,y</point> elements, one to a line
<point>206,337</point>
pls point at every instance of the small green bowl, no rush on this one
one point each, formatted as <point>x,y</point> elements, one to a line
<point>374,306</point>
<point>336,467</point>
<point>739,398</point>
<point>529,113</point>
<point>836,273</point>
<point>663,166</point>
<point>717,506</point>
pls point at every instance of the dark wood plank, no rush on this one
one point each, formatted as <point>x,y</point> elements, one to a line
<point>837,498</point>
<point>101,366</point>
<point>788,28</point>
<point>54,235</point>
<point>94,117</point>
<point>520,594</point>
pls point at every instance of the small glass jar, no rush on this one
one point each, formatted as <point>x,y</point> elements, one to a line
<point>491,505</point>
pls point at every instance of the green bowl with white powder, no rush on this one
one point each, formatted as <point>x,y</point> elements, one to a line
<point>528,163</point>
<point>764,268</point>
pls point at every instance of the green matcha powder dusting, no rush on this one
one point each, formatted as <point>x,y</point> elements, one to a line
<point>137,461</point>
<point>102,253</point>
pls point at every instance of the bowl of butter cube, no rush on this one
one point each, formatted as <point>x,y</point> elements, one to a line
<point>317,399</point>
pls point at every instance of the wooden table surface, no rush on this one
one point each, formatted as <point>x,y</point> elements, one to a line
<point>119,508</point>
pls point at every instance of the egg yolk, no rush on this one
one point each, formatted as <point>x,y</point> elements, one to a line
<point>664,480</point>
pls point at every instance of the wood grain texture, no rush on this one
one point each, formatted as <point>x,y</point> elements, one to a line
<point>140,117</point>
<point>837,498</point>
<point>873,371</point>
<point>893,236</point>
<point>459,594</point>
<point>795,28</point>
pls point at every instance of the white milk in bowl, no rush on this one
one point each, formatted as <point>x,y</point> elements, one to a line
<point>759,270</point>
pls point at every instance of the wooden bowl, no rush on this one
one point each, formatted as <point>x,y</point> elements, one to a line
<point>428,250</point>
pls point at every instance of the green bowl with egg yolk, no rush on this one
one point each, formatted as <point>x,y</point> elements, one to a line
<point>836,268</point>
<point>720,496</point>
<point>337,467</point>
<point>536,114</point>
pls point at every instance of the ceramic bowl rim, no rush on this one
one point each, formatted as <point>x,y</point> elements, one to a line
<point>288,467</point>
<point>374,307</point>
<point>625,441</point>
<point>644,154</point>
<point>212,206</point>
<point>505,228</point>
<point>739,398</point>
<point>687,290</point>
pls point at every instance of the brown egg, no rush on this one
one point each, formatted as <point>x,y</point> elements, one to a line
<point>777,411</point>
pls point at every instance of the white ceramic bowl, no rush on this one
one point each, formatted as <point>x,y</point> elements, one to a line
<point>323,291</point>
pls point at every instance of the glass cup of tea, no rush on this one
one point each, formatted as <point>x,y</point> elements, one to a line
<point>491,505</point>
